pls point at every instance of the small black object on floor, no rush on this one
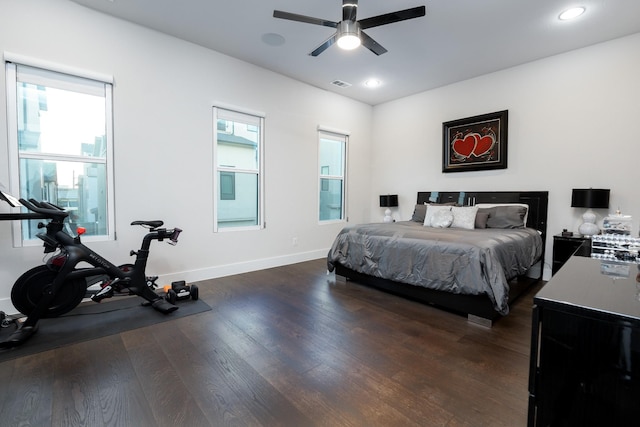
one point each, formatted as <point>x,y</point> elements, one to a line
<point>90,321</point>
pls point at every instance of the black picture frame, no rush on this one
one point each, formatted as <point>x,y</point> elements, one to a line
<point>475,143</point>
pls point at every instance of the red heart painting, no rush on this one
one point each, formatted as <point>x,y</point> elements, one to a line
<point>465,146</point>
<point>483,144</point>
<point>473,144</point>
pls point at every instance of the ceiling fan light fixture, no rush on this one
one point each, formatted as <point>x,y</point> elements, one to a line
<point>348,35</point>
<point>348,41</point>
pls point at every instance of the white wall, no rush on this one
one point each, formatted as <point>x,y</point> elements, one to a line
<point>163,96</point>
<point>572,124</point>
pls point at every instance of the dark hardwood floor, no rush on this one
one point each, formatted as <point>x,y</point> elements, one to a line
<point>284,347</point>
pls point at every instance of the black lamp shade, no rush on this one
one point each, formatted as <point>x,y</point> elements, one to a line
<point>590,198</point>
<point>389,201</point>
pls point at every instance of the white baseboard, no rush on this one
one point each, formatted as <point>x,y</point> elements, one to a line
<point>242,267</point>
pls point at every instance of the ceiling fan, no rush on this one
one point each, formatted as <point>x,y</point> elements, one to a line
<point>349,34</point>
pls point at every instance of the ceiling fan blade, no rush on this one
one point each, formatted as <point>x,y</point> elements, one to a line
<point>325,45</point>
<point>303,18</point>
<point>349,10</point>
<point>389,18</point>
<point>371,44</point>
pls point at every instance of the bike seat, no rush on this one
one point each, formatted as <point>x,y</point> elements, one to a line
<point>152,224</point>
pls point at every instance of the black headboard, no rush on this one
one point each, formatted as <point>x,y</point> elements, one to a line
<point>538,202</point>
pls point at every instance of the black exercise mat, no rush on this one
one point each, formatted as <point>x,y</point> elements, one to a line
<point>90,321</point>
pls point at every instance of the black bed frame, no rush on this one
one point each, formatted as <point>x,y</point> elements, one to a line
<point>478,308</point>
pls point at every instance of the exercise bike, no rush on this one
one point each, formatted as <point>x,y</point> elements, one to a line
<point>58,286</point>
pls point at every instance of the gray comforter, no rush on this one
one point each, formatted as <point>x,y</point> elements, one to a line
<point>450,259</point>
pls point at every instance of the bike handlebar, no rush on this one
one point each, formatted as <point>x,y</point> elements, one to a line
<point>173,239</point>
<point>160,233</point>
<point>45,208</point>
<point>57,213</point>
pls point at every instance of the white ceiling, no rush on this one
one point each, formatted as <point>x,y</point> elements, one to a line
<point>456,40</point>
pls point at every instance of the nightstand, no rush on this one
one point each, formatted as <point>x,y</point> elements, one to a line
<point>584,368</point>
<point>564,247</point>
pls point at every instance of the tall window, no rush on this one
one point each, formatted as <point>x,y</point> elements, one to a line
<point>238,162</point>
<point>332,156</point>
<point>60,144</point>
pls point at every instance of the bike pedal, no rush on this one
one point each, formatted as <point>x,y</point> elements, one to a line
<point>106,292</point>
<point>151,282</point>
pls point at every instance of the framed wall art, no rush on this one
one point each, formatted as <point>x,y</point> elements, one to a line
<point>475,143</point>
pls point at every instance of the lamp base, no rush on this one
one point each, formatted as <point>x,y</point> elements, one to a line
<point>387,216</point>
<point>588,227</point>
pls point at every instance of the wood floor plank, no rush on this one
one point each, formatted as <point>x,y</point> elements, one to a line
<point>29,403</point>
<point>257,395</point>
<point>122,397</point>
<point>78,401</point>
<point>6,393</point>
<point>210,384</point>
<point>153,361</point>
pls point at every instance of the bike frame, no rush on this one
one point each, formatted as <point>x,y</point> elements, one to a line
<point>74,252</point>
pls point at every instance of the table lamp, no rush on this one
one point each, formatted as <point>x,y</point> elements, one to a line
<point>388,201</point>
<point>590,198</point>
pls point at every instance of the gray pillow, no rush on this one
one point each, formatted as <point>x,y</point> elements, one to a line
<point>506,217</point>
<point>419,213</point>
<point>481,218</point>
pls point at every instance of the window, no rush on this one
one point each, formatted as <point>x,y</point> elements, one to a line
<point>60,144</point>
<point>238,162</point>
<point>332,156</point>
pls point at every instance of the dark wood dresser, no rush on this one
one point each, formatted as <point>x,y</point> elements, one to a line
<point>585,347</point>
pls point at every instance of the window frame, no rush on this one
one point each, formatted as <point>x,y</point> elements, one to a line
<point>222,111</point>
<point>12,64</point>
<point>343,137</point>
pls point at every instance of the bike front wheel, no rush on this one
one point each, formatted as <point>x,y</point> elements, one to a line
<point>29,288</point>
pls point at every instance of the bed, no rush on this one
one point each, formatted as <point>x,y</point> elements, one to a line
<point>473,271</point>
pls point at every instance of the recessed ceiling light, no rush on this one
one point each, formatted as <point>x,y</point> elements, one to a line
<point>574,12</point>
<point>272,39</point>
<point>372,83</point>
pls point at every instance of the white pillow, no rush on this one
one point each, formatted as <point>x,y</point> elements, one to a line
<point>442,219</point>
<point>491,205</point>
<point>464,217</point>
<point>431,210</point>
